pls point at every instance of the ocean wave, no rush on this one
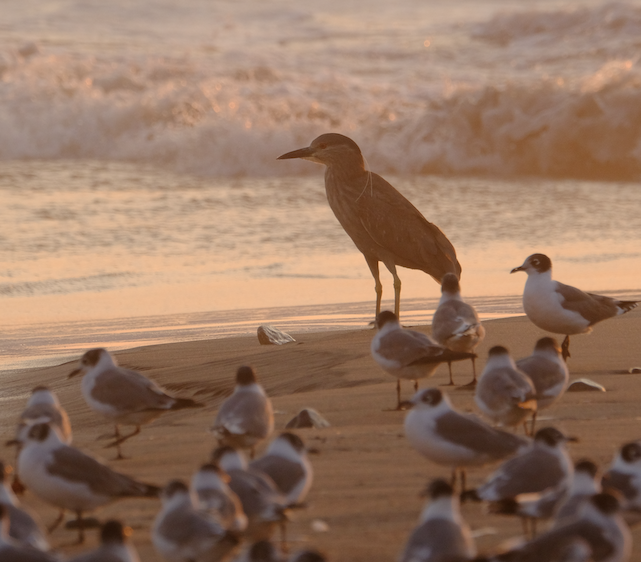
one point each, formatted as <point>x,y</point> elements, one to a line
<point>231,113</point>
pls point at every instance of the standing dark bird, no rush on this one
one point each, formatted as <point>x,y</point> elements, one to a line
<point>382,223</point>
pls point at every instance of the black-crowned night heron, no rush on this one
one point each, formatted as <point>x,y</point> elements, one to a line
<point>383,224</point>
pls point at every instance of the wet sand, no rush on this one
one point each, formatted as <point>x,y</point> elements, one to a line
<point>367,477</point>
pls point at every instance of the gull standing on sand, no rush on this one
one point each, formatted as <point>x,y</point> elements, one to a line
<point>547,371</point>
<point>504,394</point>
<point>23,527</point>
<point>264,506</point>
<point>14,551</point>
<point>43,406</point>
<point>441,533</point>
<point>545,464</point>
<point>408,354</point>
<point>114,546</point>
<point>381,222</point>
<point>246,417</point>
<point>213,495</point>
<point>456,324</point>
<point>70,479</point>
<point>562,309</point>
<point>447,437</point>
<point>286,463</point>
<point>599,527</point>
<point>624,476</point>
<point>182,533</point>
<point>123,396</point>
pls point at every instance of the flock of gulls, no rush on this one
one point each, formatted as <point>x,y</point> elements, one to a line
<point>237,504</point>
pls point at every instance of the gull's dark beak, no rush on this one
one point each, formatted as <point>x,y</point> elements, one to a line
<point>520,268</point>
<point>74,373</point>
<point>572,439</point>
<point>307,152</point>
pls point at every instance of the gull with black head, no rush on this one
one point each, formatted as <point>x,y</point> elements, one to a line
<point>114,546</point>
<point>69,479</point>
<point>246,417</point>
<point>562,309</point>
<point>448,437</point>
<point>381,222</point>
<point>123,396</point>
<point>408,354</point>
<point>456,324</point>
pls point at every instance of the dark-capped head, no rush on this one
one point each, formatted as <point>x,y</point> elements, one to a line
<point>437,489</point>
<point>547,344</point>
<point>114,532</point>
<point>631,452</point>
<point>219,452</point>
<point>39,432</point>
<point>294,440</point>
<point>175,487</point>
<point>536,262</point>
<point>88,360</point>
<point>497,351</point>
<point>386,317</point>
<point>330,149</point>
<point>450,284</point>
<point>430,396</point>
<point>587,467</point>
<point>309,556</point>
<point>245,376</point>
<point>551,436</point>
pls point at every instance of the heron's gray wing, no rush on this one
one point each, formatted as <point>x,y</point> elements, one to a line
<point>286,474</point>
<point>245,413</point>
<point>533,471</point>
<point>470,432</point>
<point>437,539</point>
<point>129,391</point>
<point>593,308</point>
<point>73,465</point>
<point>396,225</point>
<point>408,346</point>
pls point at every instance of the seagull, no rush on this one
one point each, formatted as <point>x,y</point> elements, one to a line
<point>558,502</point>
<point>561,309</point>
<point>43,406</point>
<point>599,526</point>
<point>124,396</point>
<point>441,533</point>
<point>447,437</point>
<point>70,479</point>
<point>14,551</point>
<point>504,394</point>
<point>246,417</point>
<point>264,506</point>
<point>456,324</point>
<point>23,526</point>
<point>407,354</point>
<point>308,556</point>
<point>547,371</point>
<point>286,463</point>
<point>114,546</point>
<point>624,478</point>
<point>182,533</point>
<point>383,224</point>
<point>544,465</point>
<point>210,486</point>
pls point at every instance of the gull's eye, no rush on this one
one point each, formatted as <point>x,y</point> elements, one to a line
<point>322,146</point>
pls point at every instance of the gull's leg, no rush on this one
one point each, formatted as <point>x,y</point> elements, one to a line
<point>565,348</point>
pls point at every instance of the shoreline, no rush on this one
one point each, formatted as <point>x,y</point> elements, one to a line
<point>367,477</point>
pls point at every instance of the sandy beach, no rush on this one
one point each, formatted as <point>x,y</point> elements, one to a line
<point>367,477</point>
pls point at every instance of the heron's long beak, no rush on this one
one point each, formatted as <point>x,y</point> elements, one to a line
<point>306,152</point>
<point>74,373</point>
